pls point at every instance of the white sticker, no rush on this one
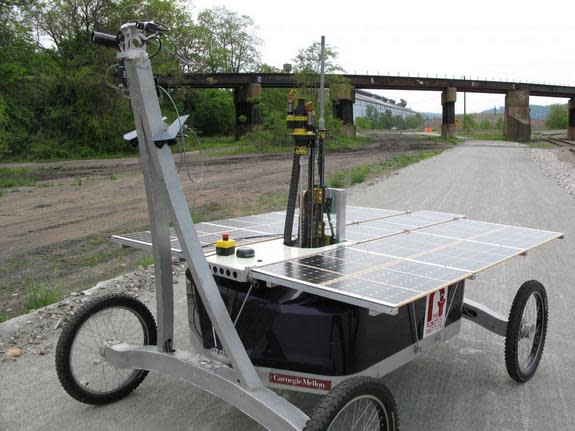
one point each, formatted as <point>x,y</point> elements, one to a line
<point>435,312</point>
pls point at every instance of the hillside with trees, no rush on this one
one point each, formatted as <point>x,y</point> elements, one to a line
<point>57,90</point>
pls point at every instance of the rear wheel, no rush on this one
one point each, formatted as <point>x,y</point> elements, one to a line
<point>526,331</point>
<point>82,369</point>
<point>360,403</point>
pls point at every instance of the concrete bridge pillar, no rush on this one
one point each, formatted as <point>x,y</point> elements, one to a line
<point>448,98</point>
<point>343,97</point>
<point>246,101</point>
<point>571,116</point>
<point>517,120</point>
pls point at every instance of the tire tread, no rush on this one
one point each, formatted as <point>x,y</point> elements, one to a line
<point>68,335</point>
<point>513,327</point>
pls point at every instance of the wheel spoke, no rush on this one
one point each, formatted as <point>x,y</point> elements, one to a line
<point>530,330</point>
<point>104,328</point>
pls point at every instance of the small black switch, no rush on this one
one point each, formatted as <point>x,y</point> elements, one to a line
<point>245,252</point>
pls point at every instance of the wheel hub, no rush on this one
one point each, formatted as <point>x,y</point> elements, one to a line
<point>527,331</point>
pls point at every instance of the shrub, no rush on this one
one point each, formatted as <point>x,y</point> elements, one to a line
<point>557,117</point>
<point>38,296</point>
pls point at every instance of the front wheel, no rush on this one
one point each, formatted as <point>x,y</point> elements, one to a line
<point>360,403</point>
<point>526,331</point>
<point>82,369</point>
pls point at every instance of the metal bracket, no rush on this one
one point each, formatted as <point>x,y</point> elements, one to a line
<point>485,317</point>
<point>168,135</point>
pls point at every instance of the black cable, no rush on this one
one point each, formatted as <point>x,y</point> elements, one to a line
<point>200,335</point>
<point>159,45</point>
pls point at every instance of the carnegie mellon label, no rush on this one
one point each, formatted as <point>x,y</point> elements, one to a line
<point>301,382</point>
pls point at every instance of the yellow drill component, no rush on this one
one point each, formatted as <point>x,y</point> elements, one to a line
<point>318,195</point>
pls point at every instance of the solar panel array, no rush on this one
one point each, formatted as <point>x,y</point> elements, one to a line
<point>244,230</point>
<point>248,229</point>
<point>432,250</point>
<point>390,258</point>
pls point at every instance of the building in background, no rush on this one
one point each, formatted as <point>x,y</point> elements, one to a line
<point>363,99</point>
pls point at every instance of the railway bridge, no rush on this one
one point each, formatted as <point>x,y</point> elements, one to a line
<point>248,86</point>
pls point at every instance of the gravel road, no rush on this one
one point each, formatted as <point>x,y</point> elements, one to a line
<point>461,385</point>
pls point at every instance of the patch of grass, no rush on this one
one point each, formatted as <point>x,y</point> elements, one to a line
<point>113,177</point>
<point>243,148</point>
<point>346,143</point>
<point>207,143</point>
<point>3,317</point>
<point>39,295</point>
<point>61,266</point>
<point>18,177</point>
<point>361,173</point>
<point>404,160</point>
<point>211,211</point>
<point>338,180</point>
<point>146,261</point>
<point>229,147</point>
<point>96,240</point>
<point>103,253</point>
<point>484,136</point>
<point>541,144</point>
<point>270,201</point>
<point>445,140</point>
<point>266,202</point>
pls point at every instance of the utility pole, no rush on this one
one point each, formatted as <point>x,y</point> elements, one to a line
<point>465,122</point>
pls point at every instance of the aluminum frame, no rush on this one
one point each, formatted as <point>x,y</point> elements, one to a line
<point>239,384</point>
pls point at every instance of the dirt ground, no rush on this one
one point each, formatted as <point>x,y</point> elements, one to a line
<point>55,233</point>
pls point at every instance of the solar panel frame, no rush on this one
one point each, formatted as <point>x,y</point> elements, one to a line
<point>420,261</point>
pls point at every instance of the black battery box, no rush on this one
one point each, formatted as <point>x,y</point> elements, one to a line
<point>287,329</point>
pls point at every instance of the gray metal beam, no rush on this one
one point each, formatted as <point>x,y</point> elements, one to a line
<point>373,82</point>
<point>485,317</point>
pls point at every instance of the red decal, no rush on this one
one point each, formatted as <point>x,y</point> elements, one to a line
<point>301,382</point>
<point>430,306</point>
<point>435,313</point>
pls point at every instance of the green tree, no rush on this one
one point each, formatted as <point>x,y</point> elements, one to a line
<point>413,121</point>
<point>557,117</point>
<point>373,116</point>
<point>212,111</point>
<point>485,124</point>
<point>499,124</point>
<point>308,60</point>
<point>227,41</point>
<point>55,95</point>
<point>386,120</point>
<point>469,122</point>
<point>363,123</point>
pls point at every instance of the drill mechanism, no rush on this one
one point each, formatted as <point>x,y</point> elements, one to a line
<point>316,200</point>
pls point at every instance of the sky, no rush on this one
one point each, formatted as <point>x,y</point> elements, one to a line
<point>526,41</point>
